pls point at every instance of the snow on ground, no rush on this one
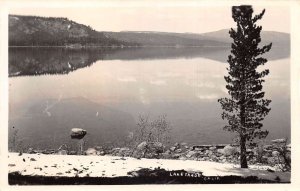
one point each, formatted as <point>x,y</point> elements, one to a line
<point>111,166</point>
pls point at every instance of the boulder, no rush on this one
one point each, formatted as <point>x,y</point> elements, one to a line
<point>102,153</point>
<point>229,150</point>
<point>72,153</point>
<point>77,133</point>
<point>178,150</point>
<point>148,150</point>
<point>214,158</point>
<point>187,147</point>
<point>182,158</point>
<point>31,151</point>
<point>91,152</point>
<point>176,156</point>
<point>212,148</point>
<point>124,152</point>
<point>166,155</point>
<point>140,150</point>
<point>48,151</point>
<point>172,149</point>
<point>176,145</point>
<point>157,146</point>
<point>208,152</point>
<point>275,153</point>
<point>221,151</point>
<point>198,149</point>
<point>115,151</point>
<point>222,157</point>
<point>62,152</point>
<point>142,146</point>
<point>191,154</point>
<point>99,148</point>
<point>137,154</point>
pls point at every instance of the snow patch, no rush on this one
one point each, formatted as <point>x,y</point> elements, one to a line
<point>112,166</point>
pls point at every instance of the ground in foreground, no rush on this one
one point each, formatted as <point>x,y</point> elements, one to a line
<point>70,169</point>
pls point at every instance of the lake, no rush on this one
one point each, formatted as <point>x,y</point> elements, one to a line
<point>52,90</point>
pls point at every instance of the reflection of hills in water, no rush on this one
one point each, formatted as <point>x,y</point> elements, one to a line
<point>38,61</point>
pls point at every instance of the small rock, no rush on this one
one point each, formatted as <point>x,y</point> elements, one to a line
<point>142,146</point>
<point>198,149</point>
<point>176,156</point>
<point>275,153</point>
<point>208,152</point>
<point>166,155</point>
<point>173,149</point>
<point>62,152</point>
<point>279,140</point>
<point>221,151</point>
<point>182,158</point>
<point>190,154</point>
<point>178,150</point>
<point>72,153</point>
<point>91,152</point>
<point>183,144</point>
<point>212,148</point>
<point>213,157</point>
<point>99,148</point>
<point>102,153</point>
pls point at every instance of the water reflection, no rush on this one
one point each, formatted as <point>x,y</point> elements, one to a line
<point>38,61</point>
<point>106,98</point>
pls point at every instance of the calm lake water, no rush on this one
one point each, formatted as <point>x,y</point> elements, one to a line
<point>52,90</point>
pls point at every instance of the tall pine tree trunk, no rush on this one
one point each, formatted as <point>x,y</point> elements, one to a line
<point>243,159</point>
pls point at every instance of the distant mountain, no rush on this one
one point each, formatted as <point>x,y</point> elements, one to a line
<point>164,39</point>
<point>49,31</point>
<point>277,38</point>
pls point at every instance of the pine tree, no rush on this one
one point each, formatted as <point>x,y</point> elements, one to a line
<point>246,107</point>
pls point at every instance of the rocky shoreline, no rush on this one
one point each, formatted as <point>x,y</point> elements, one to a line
<point>271,154</point>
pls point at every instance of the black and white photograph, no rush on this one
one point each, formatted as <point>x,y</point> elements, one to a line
<point>148,94</point>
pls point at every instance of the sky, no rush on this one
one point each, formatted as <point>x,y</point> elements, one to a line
<point>166,19</point>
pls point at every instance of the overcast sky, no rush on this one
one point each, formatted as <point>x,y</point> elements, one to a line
<point>167,19</point>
